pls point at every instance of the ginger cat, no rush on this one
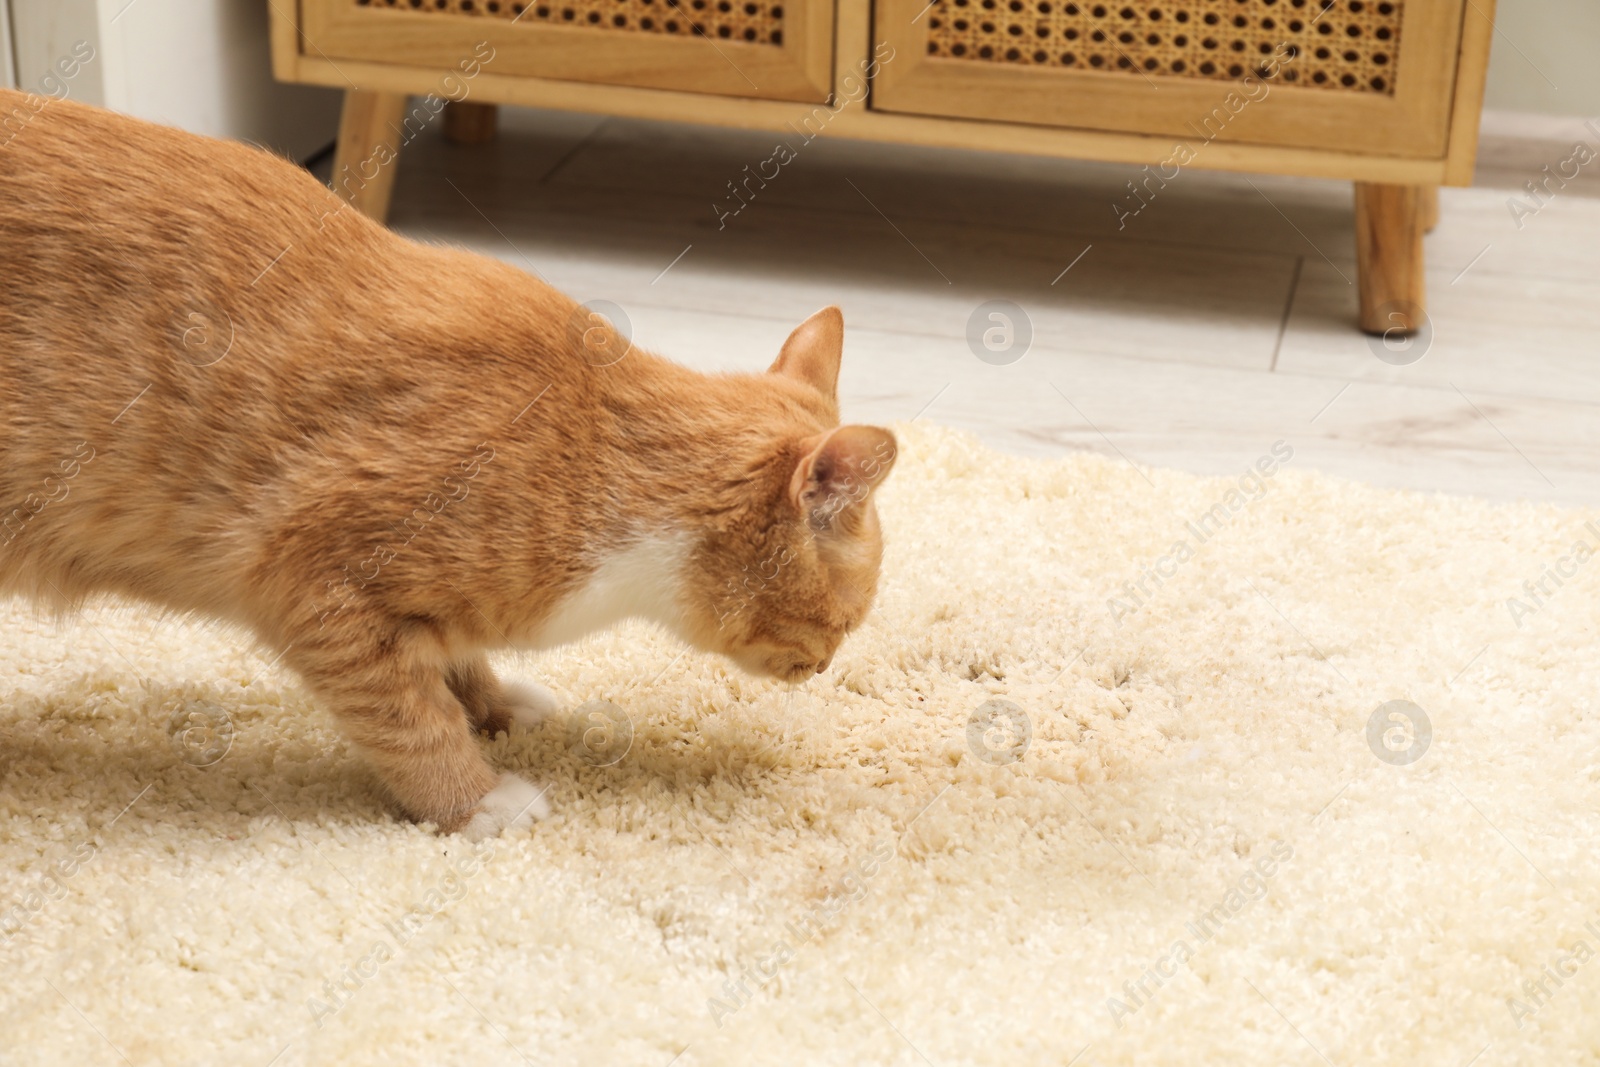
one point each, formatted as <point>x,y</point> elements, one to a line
<point>227,393</point>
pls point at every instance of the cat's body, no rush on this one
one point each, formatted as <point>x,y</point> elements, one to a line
<point>226,392</point>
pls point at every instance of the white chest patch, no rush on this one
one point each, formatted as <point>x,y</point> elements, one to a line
<point>641,582</point>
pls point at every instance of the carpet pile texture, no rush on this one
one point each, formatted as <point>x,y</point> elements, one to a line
<point>1127,767</point>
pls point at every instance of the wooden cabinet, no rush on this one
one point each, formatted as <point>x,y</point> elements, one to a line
<point>769,49</point>
<point>1385,93</point>
<point>1359,75</point>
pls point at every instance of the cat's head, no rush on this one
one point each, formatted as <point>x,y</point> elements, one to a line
<point>780,580</point>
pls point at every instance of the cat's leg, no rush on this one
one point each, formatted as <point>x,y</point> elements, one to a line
<point>392,701</point>
<point>529,703</point>
<point>474,684</point>
<point>493,705</point>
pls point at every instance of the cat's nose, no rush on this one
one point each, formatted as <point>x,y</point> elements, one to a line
<point>824,664</point>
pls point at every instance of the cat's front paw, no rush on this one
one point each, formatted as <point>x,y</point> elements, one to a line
<point>512,803</point>
<point>529,703</point>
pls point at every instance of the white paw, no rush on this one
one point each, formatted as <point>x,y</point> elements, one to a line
<point>512,803</point>
<point>529,703</point>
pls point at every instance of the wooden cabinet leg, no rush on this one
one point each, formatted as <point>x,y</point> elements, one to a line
<point>1430,207</point>
<point>1389,228</point>
<point>368,149</point>
<point>468,123</point>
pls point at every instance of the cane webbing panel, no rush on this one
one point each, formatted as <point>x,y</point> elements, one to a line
<point>748,21</point>
<point>1348,45</point>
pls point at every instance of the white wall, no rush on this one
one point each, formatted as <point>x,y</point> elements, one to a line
<point>44,32</point>
<point>203,65</point>
<point>206,66</point>
<point>1544,57</point>
<point>8,73</point>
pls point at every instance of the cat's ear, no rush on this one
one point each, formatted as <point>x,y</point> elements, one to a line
<point>812,352</point>
<point>837,473</point>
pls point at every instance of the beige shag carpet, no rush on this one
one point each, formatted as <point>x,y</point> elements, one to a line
<point>1199,833</point>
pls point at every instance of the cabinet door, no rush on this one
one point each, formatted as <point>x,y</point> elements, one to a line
<point>1367,76</point>
<point>772,49</point>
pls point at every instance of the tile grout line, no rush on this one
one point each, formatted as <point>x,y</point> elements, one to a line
<point>1288,310</point>
<point>935,219</point>
<point>1126,357</point>
<point>786,207</point>
<point>572,152</point>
